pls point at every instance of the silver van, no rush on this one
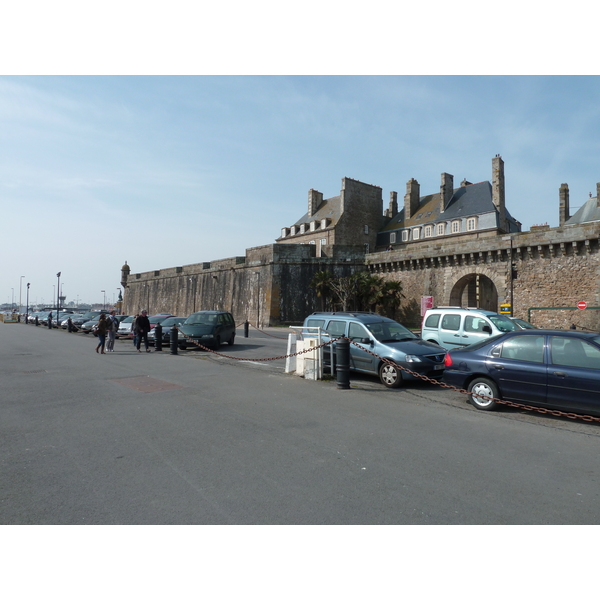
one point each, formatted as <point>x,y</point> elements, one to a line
<point>456,327</point>
<point>375,337</point>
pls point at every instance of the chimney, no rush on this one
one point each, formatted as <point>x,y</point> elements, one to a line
<point>563,204</point>
<point>392,211</point>
<point>446,190</point>
<point>314,201</point>
<point>498,191</point>
<point>411,199</point>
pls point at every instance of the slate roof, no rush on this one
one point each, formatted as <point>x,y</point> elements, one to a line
<point>471,200</point>
<point>590,211</point>
<point>328,209</point>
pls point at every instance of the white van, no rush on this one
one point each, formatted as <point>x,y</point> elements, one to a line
<point>456,327</point>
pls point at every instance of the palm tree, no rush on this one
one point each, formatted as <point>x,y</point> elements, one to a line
<point>321,283</point>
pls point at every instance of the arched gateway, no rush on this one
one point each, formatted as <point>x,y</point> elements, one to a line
<point>475,290</point>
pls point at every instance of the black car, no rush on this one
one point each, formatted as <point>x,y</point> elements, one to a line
<point>548,368</point>
<point>209,328</point>
<point>166,326</point>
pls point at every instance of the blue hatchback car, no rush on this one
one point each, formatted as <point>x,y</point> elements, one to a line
<point>554,369</point>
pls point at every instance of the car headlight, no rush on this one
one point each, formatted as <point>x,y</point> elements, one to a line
<point>412,358</point>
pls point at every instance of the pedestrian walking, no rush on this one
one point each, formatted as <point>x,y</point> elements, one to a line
<point>143,328</point>
<point>134,330</point>
<point>101,328</point>
<point>113,326</point>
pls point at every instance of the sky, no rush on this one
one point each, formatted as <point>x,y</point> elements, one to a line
<point>163,171</point>
<point>152,140</point>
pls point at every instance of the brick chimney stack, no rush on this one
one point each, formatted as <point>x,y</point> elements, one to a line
<point>498,191</point>
<point>411,199</point>
<point>314,201</point>
<point>392,211</point>
<point>446,190</point>
<point>563,204</point>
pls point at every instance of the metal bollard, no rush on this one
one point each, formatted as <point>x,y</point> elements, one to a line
<point>37,321</point>
<point>174,339</point>
<point>246,324</point>
<point>158,338</point>
<point>342,355</point>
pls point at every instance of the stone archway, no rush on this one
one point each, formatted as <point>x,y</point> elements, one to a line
<point>475,290</point>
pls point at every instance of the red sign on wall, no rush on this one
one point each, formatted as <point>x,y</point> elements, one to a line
<point>582,305</point>
<point>426,303</point>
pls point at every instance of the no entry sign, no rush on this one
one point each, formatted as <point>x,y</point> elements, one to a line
<point>582,305</point>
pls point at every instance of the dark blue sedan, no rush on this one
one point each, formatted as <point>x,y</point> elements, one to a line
<point>554,369</point>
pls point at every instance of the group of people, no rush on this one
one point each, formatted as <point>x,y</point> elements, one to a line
<point>108,326</point>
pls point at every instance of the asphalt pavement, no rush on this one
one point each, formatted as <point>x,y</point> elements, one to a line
<point>197,438</point>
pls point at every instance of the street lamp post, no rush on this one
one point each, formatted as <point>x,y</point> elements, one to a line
<point>27,309</point>
<point>58,300</point>
<point>20,283</point>
<point>104,304</point>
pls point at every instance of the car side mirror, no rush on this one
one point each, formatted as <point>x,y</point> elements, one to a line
<point>366,341</point>
<point>487,329</point>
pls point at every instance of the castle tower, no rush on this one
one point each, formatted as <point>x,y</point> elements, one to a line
<point>563,205</point>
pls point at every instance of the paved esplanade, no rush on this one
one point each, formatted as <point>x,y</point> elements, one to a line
<point>220,443</point>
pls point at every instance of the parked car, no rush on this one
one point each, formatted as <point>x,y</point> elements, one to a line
<point>549,368</point>
<point>522,324</point>
<point>385,338</point>
<point>87,326</point>
<point>125,327</point>
<point>166,325</point>
<point>455,327</point>
<point>60,316</point>
<point>76,319</point>
<point>210,328</point>
<point>88,316</point>
<point>158,318</point>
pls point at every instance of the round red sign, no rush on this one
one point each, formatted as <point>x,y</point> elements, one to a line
<point>582,305</point>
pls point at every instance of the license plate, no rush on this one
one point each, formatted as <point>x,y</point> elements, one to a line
<point>438,367</point>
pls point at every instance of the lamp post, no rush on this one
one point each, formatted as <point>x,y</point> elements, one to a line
<point>12,300</point>
<point>20,283</point>
<point>27,309</point>
<point>512,272</point>
<point>104,304</point>
<point>58,300</point>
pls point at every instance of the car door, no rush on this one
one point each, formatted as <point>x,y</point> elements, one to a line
<point>359,359</point>
<point>449,332</point>
<point>519,368</point>
<point>574,374</point>
<point>475,329</point>
<point>335,328</point>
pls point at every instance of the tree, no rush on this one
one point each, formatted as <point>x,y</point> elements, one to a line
<point>321,282</point>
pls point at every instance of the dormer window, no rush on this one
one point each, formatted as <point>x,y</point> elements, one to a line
<point>428,231</point>
<point>303,228</point>
<point>313,225</point>
<point>393,238</point>
<point>416,234</point>
<point>405,235</point>
<point>285,231</point>
<point>293,230</point>
<point>455,226</point>
<point>441,229</point>
<point>324,223</point>
<point>471,224</point>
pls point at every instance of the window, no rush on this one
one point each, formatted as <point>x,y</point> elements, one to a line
<point>471,224</point>
<point>416,233</point>
<point>293,230</point>
<point>571,352</point>
<point>357,332</point>
<point>428,231</point>
<point>433,321</point>
<point>366,248</point>
<point>313,225</point>
<point>455,226</point>
<point>337,327</point>
<point>323,241</point>
<point>312,242</point>
<point>392,238</point>
<point>366,229</point>
<point>323,223</point>
<point>475,324</point>
<point>302,228</point>
<point>441,228</point>
<point>285,231</point>
<point>405,235</point>
<point>315,323</point>
<point>451,322</point>
<point>525,348</point>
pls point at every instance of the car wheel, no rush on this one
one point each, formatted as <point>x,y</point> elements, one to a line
<point>390,375</point>
<point>485,388</point>
<point>434,342</point>
<point>231,339</point>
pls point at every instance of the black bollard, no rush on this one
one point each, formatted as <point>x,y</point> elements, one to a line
<point>342,356</point>
<point>158,338</point>
<point>246,324</point>
<point>174,339</point>
<point>37,321</point>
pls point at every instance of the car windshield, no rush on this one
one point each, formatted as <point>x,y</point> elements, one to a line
<point>172,321</point>
<point>390,331</point>
<point>201,319</point>
<point>503,323</point>
<point>128,319</point>
<point>157,319</point>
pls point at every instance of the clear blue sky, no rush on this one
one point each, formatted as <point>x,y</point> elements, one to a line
<point>161,171</point>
